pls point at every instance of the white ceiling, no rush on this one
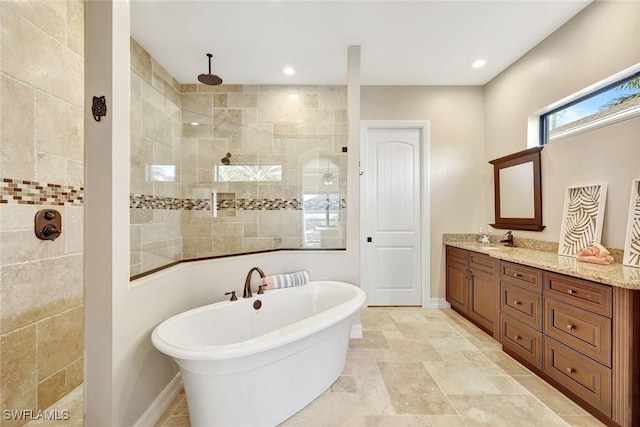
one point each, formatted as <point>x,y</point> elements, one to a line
<point>402,42</point>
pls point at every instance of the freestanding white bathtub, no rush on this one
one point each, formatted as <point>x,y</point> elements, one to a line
<point>243,366</point>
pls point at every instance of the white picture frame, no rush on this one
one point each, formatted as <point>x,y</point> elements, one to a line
<point>631,256</point>
<point>582,218</point>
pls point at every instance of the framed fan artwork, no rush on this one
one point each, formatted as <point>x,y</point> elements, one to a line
<point>582,218</point>
<point>632,242</point>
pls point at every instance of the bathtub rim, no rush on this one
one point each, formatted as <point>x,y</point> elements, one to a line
<point>313,324</point>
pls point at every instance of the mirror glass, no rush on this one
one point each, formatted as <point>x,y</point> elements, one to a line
<point>518,191</point>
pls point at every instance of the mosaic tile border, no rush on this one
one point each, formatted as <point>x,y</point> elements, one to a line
<point>142,201</point>
<point>268,204</point>
<point>23,192</point>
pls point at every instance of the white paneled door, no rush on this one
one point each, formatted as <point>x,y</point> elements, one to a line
<point>392,215</point>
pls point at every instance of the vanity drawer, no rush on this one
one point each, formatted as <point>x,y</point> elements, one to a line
<point>581,293</point>
<point>527,277</point>
<point>521,304</point>
<point>582,330</point>
<point>482,262</point>
<point>457,254</point>
<point>522,340</point>
<point>583,376</point>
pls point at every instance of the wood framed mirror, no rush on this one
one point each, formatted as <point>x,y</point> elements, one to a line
<point>517,180</point>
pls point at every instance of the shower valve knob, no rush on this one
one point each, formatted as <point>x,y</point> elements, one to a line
<point>48,224</point>
<point>50,231</point>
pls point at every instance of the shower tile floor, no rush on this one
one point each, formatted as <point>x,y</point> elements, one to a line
<point>414,367</point>
<point>425,367</point>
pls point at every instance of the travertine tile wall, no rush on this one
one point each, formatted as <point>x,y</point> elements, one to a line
<point>192,127</point>
<point>156,234</point>
<point>41,166</point>
<point>298,127</point>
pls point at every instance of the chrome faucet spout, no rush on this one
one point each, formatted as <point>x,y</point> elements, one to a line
<point>247,283</point>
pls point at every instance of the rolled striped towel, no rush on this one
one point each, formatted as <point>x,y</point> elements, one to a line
<point>286,280</point>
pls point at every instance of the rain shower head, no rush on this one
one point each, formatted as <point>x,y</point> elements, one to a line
<point>209,79</point>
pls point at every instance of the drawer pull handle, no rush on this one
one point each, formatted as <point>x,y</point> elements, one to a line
<point>517,275</point>
<point>571,291</point>
<point>570,370</point>
<point>517,338</point>
<point>570,326</point>
<point>517,302</point>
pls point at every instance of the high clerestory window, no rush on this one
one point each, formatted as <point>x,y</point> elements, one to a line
<point>609,104</point>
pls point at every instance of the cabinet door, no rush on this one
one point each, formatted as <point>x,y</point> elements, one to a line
<point>457,286</point>
<point>482,298</point>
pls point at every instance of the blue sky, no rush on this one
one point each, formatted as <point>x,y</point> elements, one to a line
<point>590,106</point>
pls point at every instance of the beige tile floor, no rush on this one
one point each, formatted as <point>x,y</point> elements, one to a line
<point>422,367</point>
<point>414,367</point>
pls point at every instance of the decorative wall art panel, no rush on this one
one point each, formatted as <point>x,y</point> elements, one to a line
<point>582,218</point>
<point>632,242</point>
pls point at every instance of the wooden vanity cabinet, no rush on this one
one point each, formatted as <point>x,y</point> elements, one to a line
<point>580,336</point>
<point>458,279</point>
<point>482,306</point>
<point>577,338</point>
<point>521,312</point>
<point>471,287</point>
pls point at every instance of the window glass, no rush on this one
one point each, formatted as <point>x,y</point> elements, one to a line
<point>615,102</point>
<point>248,173</point>
<point>321,215</point>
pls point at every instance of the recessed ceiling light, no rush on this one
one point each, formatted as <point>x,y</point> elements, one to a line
<point>294,96</point>
<point>288,71</point>
<point>194,123</point>
<point>479,63</point>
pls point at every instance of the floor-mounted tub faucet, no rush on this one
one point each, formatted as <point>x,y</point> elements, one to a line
<point>508,240</point>
<point>247,283</point>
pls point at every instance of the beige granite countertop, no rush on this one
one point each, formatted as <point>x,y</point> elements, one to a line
<point>615,274</point>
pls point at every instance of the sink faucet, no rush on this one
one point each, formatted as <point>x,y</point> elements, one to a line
<point>247,283</point>
<point>508,240</point>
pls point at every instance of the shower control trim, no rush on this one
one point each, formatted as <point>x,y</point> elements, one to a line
<point>48,224</point>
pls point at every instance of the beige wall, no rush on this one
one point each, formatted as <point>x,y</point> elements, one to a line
<point>598,42</point>
<point>41,157</point>
<point>456,125</point>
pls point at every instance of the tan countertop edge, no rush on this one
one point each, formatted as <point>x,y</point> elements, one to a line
<point>615,274</point>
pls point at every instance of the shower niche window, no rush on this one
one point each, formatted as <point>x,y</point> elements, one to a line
<point>165,173</point>
<point>247,173</point>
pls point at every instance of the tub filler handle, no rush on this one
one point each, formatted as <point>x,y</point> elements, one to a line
<point>233,295</point>
<point>261,289</point>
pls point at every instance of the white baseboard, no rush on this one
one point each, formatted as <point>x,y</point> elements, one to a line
<point>356,331</point>
<point>161,403</point>
<point>438,303</point>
